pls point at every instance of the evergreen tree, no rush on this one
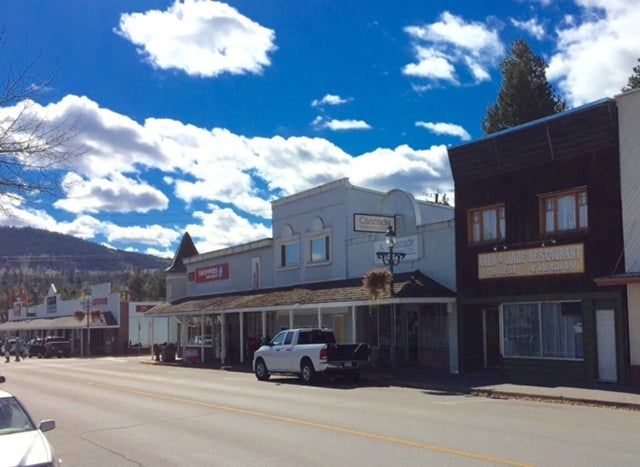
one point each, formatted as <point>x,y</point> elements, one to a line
<point>634,79</point>
<point>525,94</point>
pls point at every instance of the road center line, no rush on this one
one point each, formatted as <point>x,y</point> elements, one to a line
<point>299,421</point>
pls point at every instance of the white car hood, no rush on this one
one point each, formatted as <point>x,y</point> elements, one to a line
<point>27,448</point>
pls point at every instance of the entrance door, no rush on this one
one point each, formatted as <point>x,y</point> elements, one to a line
<point>491,337</point>
<point>606,343</point>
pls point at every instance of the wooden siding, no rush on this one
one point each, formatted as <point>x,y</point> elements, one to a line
<point>629,107</point>
<point>570,134</point>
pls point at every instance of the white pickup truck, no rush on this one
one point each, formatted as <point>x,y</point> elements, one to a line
<point>308,351</point>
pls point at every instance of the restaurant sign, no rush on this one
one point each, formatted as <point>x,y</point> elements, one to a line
<point>561,259</point>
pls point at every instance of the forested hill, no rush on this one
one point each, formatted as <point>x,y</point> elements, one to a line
<point>34,249</point>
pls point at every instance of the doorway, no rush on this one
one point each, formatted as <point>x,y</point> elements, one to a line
<point>491,337</point>
<point>606,344</point>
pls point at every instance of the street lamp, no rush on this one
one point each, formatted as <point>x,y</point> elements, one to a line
<point>390,258</point>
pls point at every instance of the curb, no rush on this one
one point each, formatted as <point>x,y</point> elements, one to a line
<point>472,391</point>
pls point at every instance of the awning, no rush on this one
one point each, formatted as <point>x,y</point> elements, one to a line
<point>412,287</point>
<point>105,320</point>
<point>618,279</point>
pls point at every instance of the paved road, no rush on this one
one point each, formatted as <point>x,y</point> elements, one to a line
<point>119,412</point>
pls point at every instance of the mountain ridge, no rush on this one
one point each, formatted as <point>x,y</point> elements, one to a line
<point>31,248</point>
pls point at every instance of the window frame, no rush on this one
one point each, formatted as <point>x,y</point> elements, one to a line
<point>580,206</point>
<point>282,254</point>
<point>315,236</point>
<point>499,227</point>
<point>542,345</point>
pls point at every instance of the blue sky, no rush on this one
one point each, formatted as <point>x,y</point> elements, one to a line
<point>193,115</point>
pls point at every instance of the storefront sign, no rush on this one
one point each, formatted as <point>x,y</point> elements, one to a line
<point>407,245</point>
<point>212,273</point>
<point>372,223</point>
<point>562,259</point>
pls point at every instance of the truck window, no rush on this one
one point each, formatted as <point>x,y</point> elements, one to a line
<point>289,338</point>
<point>321,337</point>
<point>279,339</point>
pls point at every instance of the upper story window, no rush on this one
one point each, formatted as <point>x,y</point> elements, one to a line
<point>565,210</point>
<point>289,248</point>
<point>487,224</point>
<point>318,243</point>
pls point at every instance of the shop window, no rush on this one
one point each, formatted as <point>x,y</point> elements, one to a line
<point>319,249</point>
<point>288,248</point>
<point>487,224</point>
<point>434,328</point>
<point>543,330</point>
<point>318,243</point>
<point>289,255</point>
<point>562,211</point>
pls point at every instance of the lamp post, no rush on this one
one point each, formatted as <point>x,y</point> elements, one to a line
<point>390,258</point>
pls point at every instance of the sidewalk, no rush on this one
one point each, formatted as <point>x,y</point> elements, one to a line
<point>484,384</point>
<point>487,384</point>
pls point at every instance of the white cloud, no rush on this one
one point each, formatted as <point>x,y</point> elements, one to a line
<point>451,43</point>
<point>130,167</point>
<point>114,194</point>
<point>596,52</point>
<point>415,170</point>
<point>531,26</point>
<point>344,125</point>
<point>442,128</point>
<point>230,228</point>
<point>200,37</point>
<point>329,99</point>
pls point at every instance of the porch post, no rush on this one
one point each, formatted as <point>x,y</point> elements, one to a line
<point>242,349</point>
<point>354,337</point>
<point>452,322</point>
<point>223,338</point>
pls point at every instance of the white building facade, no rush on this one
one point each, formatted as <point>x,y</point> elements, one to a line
<point>310,274</point>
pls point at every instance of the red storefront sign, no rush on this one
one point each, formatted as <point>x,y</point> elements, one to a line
<point>212,273</point>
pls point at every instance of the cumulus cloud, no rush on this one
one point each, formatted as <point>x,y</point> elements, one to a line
<point>201,37</point>
<point>329,99</point>
<point>115,194</point>
<point>597,51</point>
<point>442,128</point>
<point>128,167</point>
<point>234,227</point>
<point>450,45</point>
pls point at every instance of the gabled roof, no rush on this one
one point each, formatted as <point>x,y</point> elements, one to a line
<point>187,249</point>
<point>414,285</point>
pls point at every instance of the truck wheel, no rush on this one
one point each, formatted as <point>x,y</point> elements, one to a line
<point>307,372</point>
<point>261,370</point>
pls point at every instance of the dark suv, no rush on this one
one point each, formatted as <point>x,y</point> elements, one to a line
<point>57,347</point>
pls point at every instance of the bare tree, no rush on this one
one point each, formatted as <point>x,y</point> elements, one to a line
<point>31,147</point>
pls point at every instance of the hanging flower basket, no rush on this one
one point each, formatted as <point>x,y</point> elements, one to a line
<point>79,315</point>
<point>376,282</point>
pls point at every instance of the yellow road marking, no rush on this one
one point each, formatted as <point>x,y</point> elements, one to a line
<point>299,421</point>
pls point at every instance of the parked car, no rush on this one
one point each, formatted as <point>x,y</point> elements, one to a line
<point>36,347</point>
<point>22,442</point>
<point>307,352</point>
<point>57,346</point>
